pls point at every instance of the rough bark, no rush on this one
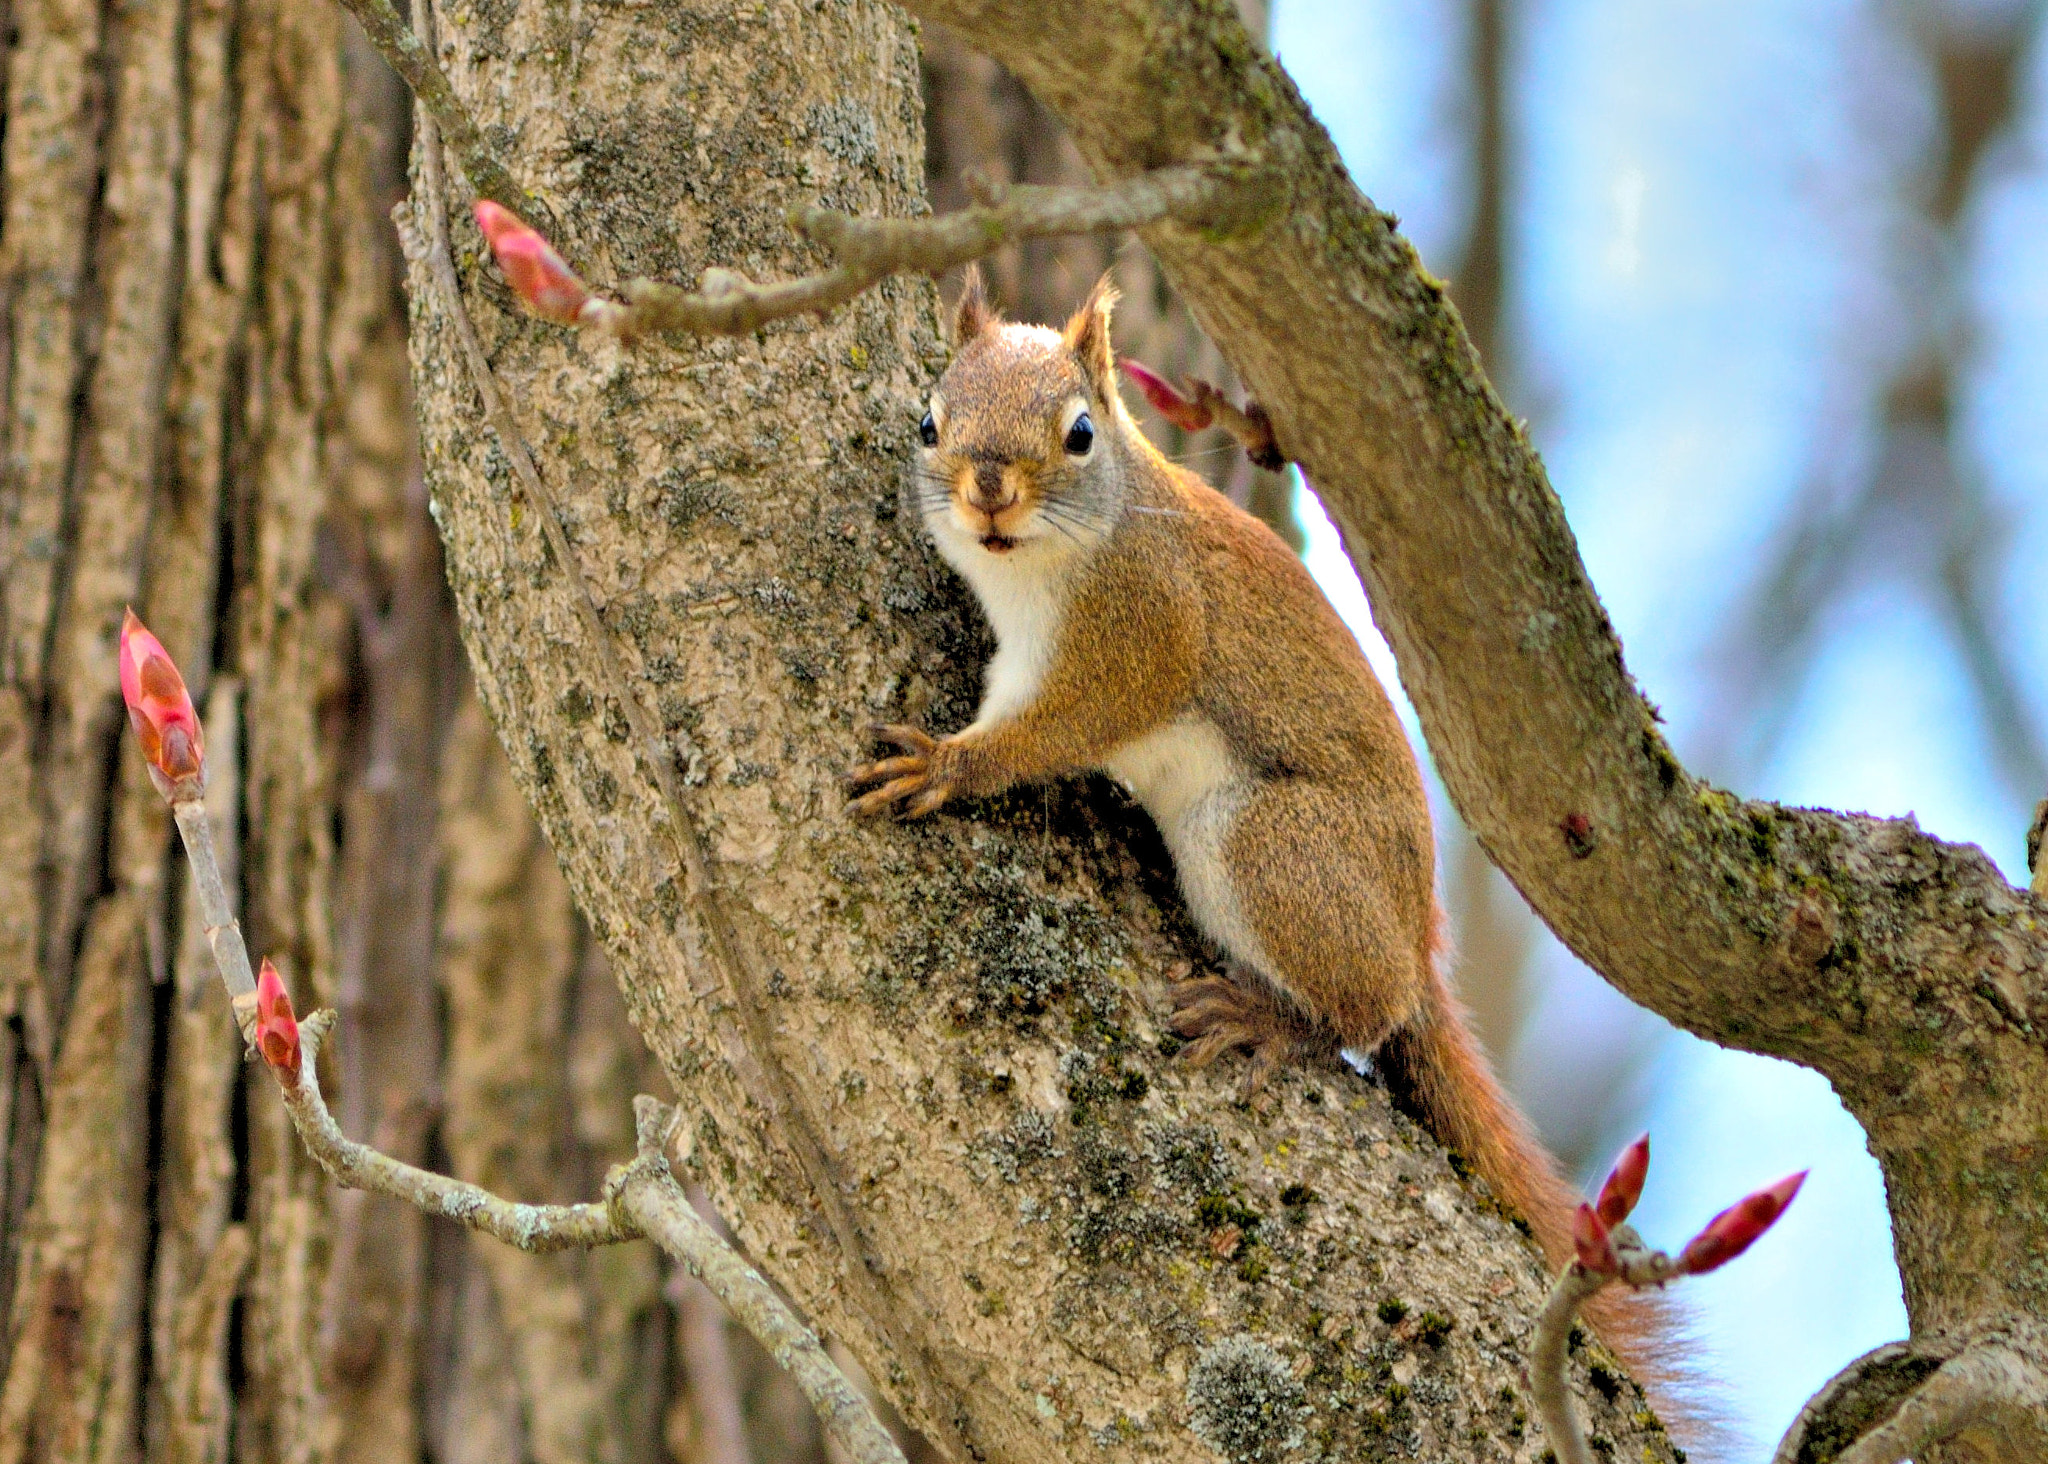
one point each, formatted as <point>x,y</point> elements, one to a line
<point>171,404</point>
<point>927,1061</point>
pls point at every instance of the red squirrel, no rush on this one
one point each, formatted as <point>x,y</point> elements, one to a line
<point>1148,627</point>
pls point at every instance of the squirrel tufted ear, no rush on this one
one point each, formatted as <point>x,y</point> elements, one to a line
<point>973,314</point>
<point>1087,336</point>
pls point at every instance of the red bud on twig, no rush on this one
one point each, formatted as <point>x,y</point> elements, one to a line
<point>1731,1232</point>
<point>1590,1240</point>
<point>1624,1184</point>
<point>277,1030</point>
<point>547,286</point>
<point>159,707</point>
<point>1189,416</point>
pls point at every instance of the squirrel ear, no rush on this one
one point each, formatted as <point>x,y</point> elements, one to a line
<point>973,314</point>
<point>1087,336</point>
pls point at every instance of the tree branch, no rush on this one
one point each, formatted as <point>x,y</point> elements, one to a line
<point>642,1199</point>
<point>537,1229</point>
<point>223,930</point>
<point>869,250</point>
<point>1976,1386</point>
<point>1547,1356</point>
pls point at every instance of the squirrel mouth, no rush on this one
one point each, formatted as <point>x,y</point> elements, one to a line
<point>997,543</point>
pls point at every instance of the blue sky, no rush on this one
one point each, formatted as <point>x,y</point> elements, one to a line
<point>1701,279</point>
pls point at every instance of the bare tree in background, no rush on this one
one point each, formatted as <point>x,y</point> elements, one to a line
<point>1907,501</point>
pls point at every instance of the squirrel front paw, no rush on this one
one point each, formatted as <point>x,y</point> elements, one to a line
<point>915,784</point>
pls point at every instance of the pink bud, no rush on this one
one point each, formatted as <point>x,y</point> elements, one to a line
<point>1624,1183</point>
<point>277,1030</point>
<point>1589,1239</point>
<point>548,287</point>
<point>1731,1232</point>
<point>161,711</point>
<point>1189,416</point>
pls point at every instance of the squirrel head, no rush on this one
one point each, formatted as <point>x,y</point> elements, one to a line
<point>1022,442</point>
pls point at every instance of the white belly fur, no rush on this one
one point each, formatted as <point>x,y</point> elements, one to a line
<point>1186,777</point>
<point>1183,773</point>
<point>1023,595</point>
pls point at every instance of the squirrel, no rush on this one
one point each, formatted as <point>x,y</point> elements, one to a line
<point>1148,627</point>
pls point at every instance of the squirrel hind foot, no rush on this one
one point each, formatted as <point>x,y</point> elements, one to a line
<point>1219,1014</point>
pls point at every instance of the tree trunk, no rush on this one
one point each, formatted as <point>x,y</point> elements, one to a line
<point>207,416</point>
<point>195,298</point>
<point>925,1064</point>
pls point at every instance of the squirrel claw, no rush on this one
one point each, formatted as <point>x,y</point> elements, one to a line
<point>884,797</point>
<point>1217,1015</point>
<point>914,781</point>
<point>911,739</point>
<point>887,768</point>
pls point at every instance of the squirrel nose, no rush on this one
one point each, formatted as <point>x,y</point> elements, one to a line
<point>989,492</point>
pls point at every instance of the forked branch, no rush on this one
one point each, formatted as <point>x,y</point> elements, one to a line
<point>1609,1250</point>
<point>641,1199</point>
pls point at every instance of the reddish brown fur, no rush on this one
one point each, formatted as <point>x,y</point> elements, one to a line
<point>1187,606</point>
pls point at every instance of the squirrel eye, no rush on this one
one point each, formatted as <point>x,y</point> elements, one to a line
<point>929,431</point>
<point>1080,436</point>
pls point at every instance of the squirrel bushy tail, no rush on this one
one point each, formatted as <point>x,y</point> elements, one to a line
<point>1435,1069</point>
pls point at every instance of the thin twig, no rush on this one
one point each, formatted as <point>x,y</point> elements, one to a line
<point>416,66</point>
<point>533,1228</point>
<point>1608,1250</point>
<point>1547,1364</point>
<point>642,1199</point>
<point>868,250</point>
<point>223,931</point>
<point>648,1192</point>
<point>707,1359</point>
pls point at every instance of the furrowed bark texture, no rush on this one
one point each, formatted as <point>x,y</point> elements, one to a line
<point>1905,969</point>
<point>186,308</point>
<point>203,397</point>
<point>924,1062</point>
